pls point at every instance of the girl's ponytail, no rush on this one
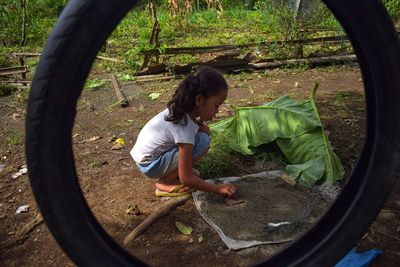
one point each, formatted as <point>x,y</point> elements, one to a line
<point>206,82</point>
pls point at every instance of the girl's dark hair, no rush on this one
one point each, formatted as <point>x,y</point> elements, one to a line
<point>206,81</point>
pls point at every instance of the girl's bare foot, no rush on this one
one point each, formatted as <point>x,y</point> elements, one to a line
<point>171,188</point>
<point>169,185</point>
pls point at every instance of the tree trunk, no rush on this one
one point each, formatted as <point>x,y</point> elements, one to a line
<point>23,31</point>
<point>297,9</point>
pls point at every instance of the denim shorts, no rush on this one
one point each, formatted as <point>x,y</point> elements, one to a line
<point>168,161</point>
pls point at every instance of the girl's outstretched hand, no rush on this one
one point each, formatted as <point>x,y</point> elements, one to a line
<point>227,190</point>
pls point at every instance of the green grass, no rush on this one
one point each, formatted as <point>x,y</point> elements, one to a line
<point>93,84</point>
<point>393,8</point>
<point>222,161</point>
<point>6,90</point>
<point>92,161</point>
<point>219,160</point>
<point>343,96</point>
<point>13,137</point>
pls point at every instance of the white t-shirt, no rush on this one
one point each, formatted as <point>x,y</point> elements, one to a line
<point>159,135</point>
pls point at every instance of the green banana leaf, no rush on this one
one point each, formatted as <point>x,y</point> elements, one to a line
<point>254,126</point>
<point>310,172</point>
<point>296,128</point>
<point>310,146</point>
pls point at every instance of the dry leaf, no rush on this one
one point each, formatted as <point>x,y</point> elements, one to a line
<point>120,141</point>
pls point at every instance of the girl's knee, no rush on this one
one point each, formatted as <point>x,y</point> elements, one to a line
<point>203,141</point>
<point>202,144</point>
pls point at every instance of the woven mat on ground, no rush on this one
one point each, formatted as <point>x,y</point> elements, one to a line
<point>268,211</point>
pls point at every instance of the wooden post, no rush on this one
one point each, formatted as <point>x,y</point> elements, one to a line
<point>23,74</point>
<point>120,94</point>
<point>154,33</point>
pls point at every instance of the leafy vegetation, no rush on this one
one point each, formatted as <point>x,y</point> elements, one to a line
<point>393,8</point>
<point>39,17</point>
<point>93,84</point>
<point>6,90</point>
<point>296,129</point>
<point>240,22</point>
<point>26,25</point>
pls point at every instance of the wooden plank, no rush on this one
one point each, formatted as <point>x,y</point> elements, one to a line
<point>116,60</point>
<point>15,82</point>
<point>26,54</point>
<point>311,61</point>
<point>220,48</point>
<point>13,70</point>
<point>188,50</point>
<point>22,55</point>
<point>120,94</point>
<point>227,65</point>
<point>155,69</point>
<point>152,78</point>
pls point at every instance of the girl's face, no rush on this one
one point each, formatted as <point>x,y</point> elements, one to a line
<point>207,108</point>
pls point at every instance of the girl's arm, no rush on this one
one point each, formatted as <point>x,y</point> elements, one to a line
<point>187,178</point>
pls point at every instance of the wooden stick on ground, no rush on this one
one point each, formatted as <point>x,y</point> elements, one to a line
<point>385,234</point>
<point>160,212</point>
<point>23,233</point>
<point>116,60</point>
<point>120,95</point>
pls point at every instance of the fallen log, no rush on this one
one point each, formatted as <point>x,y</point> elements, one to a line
<point>244,64</point>
<point>155,69</point>
<point>160,212</point>
<point>122,100</point>
<point>310,61</point>
<point>228,54</point>
<point>188,50</point>
<point>227,65</point>
<point>220,48</point>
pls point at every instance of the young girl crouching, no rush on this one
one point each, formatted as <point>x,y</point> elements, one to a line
<point>177,138</point>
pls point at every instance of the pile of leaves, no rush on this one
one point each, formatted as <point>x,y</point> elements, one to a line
<point>295,127</point>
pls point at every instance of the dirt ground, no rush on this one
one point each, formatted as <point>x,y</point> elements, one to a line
<point>111,183</point>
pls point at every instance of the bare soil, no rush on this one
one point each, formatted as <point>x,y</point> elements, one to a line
<point>112,184</point>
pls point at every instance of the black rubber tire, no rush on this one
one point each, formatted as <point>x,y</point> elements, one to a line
<point>80,32</point>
